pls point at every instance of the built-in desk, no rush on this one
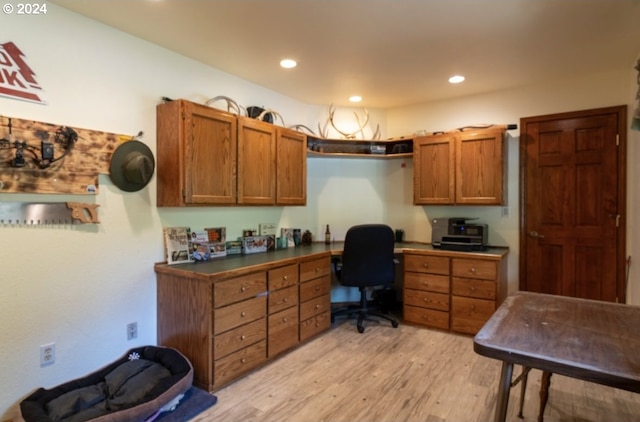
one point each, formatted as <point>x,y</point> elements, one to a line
<point>230,315</point>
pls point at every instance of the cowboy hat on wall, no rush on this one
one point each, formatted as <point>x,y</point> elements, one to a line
<point>132,166</point>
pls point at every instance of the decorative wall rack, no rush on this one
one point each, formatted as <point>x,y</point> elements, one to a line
<point>37,157</point>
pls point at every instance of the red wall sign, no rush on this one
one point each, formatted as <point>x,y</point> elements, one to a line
<point>17,80</point>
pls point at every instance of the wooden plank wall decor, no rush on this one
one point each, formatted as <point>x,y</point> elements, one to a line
<point>76,173</point>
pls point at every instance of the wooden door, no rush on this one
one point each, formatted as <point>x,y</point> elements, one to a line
<point>434,170</point>
<point>480,169</point>
<point>256,162</point>
<point>291,167</point>
<point>573,189</point>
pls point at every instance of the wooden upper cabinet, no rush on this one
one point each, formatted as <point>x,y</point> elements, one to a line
<point>207,156</point>
<point>196,155</point>
<point>434,170</point>
<point>480,167</point>
<point>460,168</point>
<point>256,162</point>
<point>291,168</point>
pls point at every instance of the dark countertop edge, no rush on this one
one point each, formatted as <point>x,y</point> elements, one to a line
<point>236,265</point>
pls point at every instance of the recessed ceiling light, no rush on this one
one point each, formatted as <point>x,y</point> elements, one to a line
<point>355,98</point>
<point>456,79</point>
<point>288,63</point>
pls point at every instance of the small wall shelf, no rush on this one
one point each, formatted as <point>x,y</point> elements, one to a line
<point>358,148</point>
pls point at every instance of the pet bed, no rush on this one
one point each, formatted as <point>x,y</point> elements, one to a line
<point>137,387</point>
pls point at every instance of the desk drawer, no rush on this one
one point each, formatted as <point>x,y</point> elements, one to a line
<point>469,315</point>
<point>239,288</point>
<point>283,331</point>
<point>283,277</point>
<point>423,299</point>
<point>315,268</point>
<point>426,264</point>
<point>474,268</point>
<point>315,325</point>
<point>429,282</point>
<point>481,289</point>
<point>239,338</point>
<point>314,288</point>
<point>427,317</point>
<point>283,299</point>
<point>315,307</point>
<point>238,314</point>
<point>236,364</point>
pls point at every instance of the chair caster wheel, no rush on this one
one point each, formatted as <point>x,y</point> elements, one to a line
<point>360,329</point>
<point>395,324</point>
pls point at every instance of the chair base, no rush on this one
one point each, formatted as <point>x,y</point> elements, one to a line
<point>363,312</point>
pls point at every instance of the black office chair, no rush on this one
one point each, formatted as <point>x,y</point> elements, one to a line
<point>367,261</point>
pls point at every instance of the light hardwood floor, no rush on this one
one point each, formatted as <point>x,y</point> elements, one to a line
<point>402,374</point>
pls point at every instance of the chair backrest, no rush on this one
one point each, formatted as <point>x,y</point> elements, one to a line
<point>367,258</point>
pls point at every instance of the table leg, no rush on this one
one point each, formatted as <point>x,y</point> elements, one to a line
<point>502,401</point>
<point>545,382</point>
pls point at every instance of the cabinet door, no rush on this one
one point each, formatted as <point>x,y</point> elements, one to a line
<point>480,167</point>
<point>196,150</point>
<point>433,170</point>
<point>291,167</point>
<point>256,162</point>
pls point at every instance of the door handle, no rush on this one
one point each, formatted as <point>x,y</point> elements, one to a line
<point>534,233</point>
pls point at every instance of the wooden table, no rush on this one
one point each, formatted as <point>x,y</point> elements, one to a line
<point>584,339</point>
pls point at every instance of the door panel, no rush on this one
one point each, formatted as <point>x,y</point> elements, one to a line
<point>573,191</point>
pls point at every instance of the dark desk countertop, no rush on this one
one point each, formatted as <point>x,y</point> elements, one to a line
<point>234,265</point>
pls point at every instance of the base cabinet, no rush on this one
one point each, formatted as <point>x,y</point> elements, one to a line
<point>454,292</point>
<point>315,297</point>
<point>228,324</point>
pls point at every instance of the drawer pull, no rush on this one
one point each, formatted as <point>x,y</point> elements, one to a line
<point>243,289</point>
<point>472,288</point>
<point>425,265</point>
<point>284,319</point>
<point>317,269</point>
<point>426,300</point>
<point>243,337</point>
<point>243,314</point>
<point>284,278</point>
<point>317,306</point>
<point>426,283</point>
<point>285,300</point>
<point>243,360</point>
<point>473,269</point>
<point>317,289</point>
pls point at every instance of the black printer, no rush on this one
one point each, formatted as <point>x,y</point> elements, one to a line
<point>455,234</point>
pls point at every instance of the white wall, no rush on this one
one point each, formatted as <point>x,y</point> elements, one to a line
<point>80,286</point>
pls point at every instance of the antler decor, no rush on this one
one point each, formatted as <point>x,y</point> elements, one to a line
<point>273,113</point>
<point>349,135</point>
<point>232,106</point>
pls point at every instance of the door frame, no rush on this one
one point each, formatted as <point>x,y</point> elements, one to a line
<point>621,112</point>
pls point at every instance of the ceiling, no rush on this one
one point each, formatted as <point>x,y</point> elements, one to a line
<point>391,52</point>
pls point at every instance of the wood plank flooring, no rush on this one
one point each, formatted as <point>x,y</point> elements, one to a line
<point>402,374</point>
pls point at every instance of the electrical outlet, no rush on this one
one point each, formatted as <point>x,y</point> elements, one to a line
<point>132,330</point>
<point>47,354</point>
